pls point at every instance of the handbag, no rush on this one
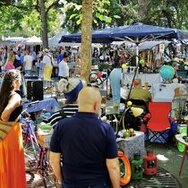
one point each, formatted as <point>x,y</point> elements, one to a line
<point>5,128</point>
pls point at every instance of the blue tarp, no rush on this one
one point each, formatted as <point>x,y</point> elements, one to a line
<point>132,31</point>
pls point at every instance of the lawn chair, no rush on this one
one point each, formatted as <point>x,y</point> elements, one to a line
<point>159,126</point>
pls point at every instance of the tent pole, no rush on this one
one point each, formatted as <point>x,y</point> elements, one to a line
<point>137,55</point>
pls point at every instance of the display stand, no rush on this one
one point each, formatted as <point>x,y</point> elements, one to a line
<point>132,145</point>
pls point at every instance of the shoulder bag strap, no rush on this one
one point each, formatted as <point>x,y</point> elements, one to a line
<point>51,60</point>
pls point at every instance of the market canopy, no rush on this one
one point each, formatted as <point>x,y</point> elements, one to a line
<point>33,41</point>
<point>98,36</point>
<point>134,31</point>
<point>15,39</point>
<point>146,45</point>
<point>54,41</point>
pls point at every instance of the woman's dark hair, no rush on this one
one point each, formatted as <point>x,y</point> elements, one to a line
<point>7,87</point>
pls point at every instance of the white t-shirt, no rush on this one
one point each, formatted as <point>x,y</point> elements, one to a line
<point>28,59</point>
<point>47,60</point>
<point>63,69</point>
<point>164,92</point>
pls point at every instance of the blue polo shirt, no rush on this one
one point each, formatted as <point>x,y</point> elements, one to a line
<point>85,143</point>
<point>59,58</point>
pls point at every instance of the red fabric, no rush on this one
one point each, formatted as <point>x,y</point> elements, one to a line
<point>159,116</point>
<point>12,165</point>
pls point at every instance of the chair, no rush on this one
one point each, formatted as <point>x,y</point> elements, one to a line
<point>159,128</point>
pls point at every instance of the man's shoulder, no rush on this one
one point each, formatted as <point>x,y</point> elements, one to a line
<point>64,122</point>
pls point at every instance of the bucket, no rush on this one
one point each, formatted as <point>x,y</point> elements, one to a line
<point>182,130</point>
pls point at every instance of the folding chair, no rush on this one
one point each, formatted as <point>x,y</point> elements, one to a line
<point>159,127</point>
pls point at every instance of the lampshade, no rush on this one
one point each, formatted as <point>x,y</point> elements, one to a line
<point>136,111</point>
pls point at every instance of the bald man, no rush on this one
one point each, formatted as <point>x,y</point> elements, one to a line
<point>87,146</point>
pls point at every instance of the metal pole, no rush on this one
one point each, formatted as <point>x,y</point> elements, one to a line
<point>137,55</point>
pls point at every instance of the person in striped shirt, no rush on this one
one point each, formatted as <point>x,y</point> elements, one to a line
<point>70,88</point>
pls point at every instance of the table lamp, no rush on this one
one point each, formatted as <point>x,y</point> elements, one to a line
<point>137,111</point>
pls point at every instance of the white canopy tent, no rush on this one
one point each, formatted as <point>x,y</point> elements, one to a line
<point>15,39</point>
<point>33,41</point>
<point>54,41</point>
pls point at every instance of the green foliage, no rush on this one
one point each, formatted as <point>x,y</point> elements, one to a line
<point>101,15</point>
<point>23,19</point>
<point>9,19</point>
<point>169,13</point>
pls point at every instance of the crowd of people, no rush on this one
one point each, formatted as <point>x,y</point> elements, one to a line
<point>78,157</point>
<point>101,159</point>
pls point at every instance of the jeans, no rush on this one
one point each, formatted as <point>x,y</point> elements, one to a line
<point>96,185</point>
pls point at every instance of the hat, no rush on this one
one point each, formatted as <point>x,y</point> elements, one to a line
<point>46,50</point>
<point>70,88</point>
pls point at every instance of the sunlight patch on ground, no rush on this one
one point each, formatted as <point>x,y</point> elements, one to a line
<point>162,158</point>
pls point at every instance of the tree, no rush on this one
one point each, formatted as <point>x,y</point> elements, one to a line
<point>168,13</point>
<point>101,10</point>
<point>143,8</point>
<point>43,16</point>
<point>43,7</point>
<point>86,38</point>
<point>16,11</point>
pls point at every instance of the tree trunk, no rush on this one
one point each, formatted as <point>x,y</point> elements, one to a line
<point>143,9</point>
<point>86,39</point>
<point>44,29</point>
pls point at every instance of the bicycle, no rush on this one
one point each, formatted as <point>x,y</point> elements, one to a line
<point>30,142</point>
<point>98,79</point>
<point>43,167</point>
<point>37,155</point>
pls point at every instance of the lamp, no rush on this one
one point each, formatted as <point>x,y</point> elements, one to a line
<point>136,111</point>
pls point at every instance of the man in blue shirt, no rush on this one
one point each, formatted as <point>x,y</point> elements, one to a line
<point>87,146</point>
<point>115,83</point>
<point>60,56</point>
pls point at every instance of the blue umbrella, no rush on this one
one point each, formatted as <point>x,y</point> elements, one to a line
<point>136,31</point>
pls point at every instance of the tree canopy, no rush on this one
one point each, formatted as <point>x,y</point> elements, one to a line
<point>23,17</point>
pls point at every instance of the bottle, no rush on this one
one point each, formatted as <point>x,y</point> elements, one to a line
<point>136,167</point>
<point>150,164</point>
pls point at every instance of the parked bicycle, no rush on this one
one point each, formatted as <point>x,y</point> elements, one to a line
<point>36,154</point>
